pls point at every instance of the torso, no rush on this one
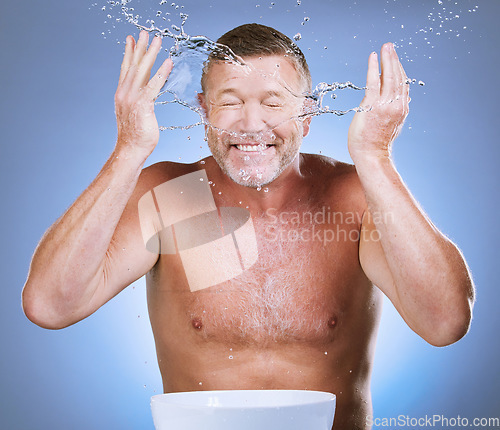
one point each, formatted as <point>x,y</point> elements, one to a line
<point>304,316</point>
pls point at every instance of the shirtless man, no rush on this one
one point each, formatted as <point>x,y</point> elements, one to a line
<point>304,315</point>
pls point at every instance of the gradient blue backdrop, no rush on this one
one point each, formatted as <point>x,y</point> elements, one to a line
<point>60,63</point>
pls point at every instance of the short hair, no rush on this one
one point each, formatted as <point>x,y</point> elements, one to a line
<point>250,40</point>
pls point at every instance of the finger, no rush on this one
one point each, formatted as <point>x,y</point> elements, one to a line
<point>398,77</point>
<point>141,47</point>
<point>127,58</point>
<point>399,74</point>
<point>372,91</point>
<point>405,84</point>
<point>405,92</point>
<point>402,90</point>
<point>158,80</point>
<point>144,68</point>
<point>388,76</point>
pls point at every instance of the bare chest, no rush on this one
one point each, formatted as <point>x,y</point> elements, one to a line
<point>298,289</point>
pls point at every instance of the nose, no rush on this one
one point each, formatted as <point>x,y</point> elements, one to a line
<point>253,118</point>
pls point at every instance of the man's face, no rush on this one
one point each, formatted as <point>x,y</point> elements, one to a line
<point>254,133</point>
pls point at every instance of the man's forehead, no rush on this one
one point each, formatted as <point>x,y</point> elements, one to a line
<point>274,70</point>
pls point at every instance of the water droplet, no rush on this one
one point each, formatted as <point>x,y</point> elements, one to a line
<point>421,83</point>
<point>266,190</point>
<point>298,36</point>
<point>230,357</point>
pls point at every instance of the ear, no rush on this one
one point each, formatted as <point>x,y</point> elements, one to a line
<point>308,107</point>
<point>306,123</point>
<point>203,103</point>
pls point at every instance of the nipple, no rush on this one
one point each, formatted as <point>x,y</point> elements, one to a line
<point>332,322</point>
<point>197,324</point>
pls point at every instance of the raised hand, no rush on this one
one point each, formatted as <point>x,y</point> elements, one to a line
<point>136,93</point>
<point>384,107</point>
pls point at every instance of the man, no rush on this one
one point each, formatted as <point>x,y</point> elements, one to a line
<point>293,298</point>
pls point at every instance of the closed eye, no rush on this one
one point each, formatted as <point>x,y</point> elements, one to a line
<point>229,103</point>
<point>273,103</point>
<point>226,101</point>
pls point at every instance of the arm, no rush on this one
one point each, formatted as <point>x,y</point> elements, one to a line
<point>420,270</point>
<point>95,249</point>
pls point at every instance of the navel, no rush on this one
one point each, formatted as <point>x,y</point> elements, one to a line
<point>196,323</point>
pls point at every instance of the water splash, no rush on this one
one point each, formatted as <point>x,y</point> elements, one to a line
<point>183,86</point>
<point>443,20</point>
<point>190,54</point>
<point>323,88</point>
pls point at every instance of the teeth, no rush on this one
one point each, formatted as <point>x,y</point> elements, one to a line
<point>251,148</point>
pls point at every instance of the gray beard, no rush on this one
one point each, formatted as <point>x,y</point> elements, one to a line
<point>249,178</point>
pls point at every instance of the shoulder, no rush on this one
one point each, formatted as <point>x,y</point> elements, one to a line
<point>159,173</point>
<point>168,169</point>
<point>330,169</point>
<point>163,171</point>
<point>335,177</point>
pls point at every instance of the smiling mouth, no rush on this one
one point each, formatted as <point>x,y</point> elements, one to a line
<point>252,147</point>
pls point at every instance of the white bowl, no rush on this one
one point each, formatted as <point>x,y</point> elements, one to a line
<point>244,410</point>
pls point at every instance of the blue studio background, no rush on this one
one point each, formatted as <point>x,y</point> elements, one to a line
<point>60,63</point>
